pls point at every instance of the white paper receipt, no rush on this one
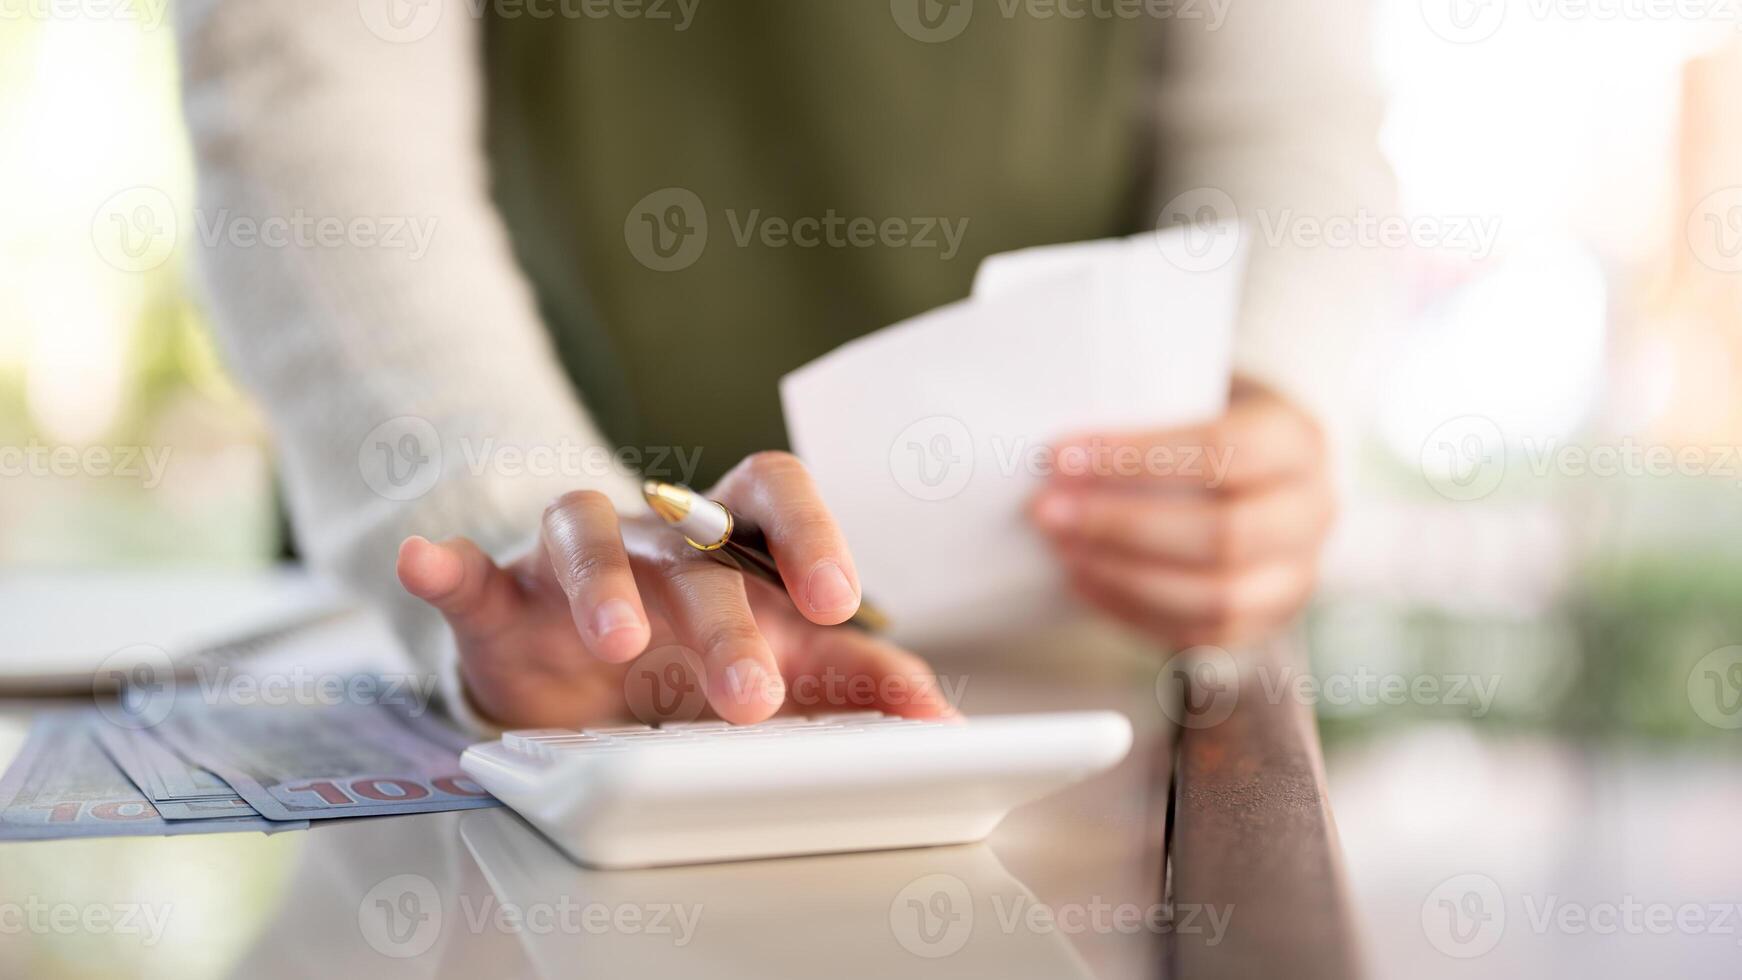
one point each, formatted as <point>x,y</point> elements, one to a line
<point>929,437</point>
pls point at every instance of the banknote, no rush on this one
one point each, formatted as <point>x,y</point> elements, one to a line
<point>316,761</point>
<point>432,726</point>
<point>62,784</point>
<point>178,789</point>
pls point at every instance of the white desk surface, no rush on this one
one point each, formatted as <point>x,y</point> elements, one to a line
<point>1585,824</point>
<point>288,905</point>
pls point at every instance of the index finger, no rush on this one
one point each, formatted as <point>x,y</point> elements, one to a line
<point>1257,443</point>
<point>775,492</point>
<point>843,670</point>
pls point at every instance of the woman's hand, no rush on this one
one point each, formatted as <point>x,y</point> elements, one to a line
<point>1207,535</point>
<point>549,640</point>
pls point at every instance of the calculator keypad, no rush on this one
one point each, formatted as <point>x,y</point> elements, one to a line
<point>548,744</point>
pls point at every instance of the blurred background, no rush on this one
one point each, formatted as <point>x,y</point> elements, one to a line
<point>1548,488</point>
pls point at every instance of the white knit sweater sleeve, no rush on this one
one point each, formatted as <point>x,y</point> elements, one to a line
<point>1271,106</point>
<point>383,323</point>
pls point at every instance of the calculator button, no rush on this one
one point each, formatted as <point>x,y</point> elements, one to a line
<point>545,748</point>
<point>556,747</point>
<point>854,716</point>
<point>524,739</point>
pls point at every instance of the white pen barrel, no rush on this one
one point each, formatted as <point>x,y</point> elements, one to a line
<point>706,524</point>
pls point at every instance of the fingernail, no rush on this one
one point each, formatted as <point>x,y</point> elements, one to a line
<point>1058,511</point>
<point>828,591</point>
<point>613,615</point>
<point>747,682</point>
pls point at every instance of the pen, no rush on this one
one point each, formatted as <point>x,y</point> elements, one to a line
<point>711,528</point>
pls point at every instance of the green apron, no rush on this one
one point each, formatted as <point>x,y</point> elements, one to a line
<point>702,210</point>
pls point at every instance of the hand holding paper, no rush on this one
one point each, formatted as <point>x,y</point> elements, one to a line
<point>1214,540</point>
<point>930,438</point>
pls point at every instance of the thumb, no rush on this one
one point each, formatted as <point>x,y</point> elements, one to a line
<point>476,597</point>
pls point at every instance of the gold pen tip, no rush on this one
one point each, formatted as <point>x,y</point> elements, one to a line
<point>669,501</point>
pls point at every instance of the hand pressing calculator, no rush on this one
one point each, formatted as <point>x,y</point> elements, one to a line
<point>688,793</point>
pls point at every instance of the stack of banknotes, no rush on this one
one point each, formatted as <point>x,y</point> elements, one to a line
<point>193,766</point>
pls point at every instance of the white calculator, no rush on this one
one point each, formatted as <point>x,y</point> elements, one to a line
<point>688,793</point>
